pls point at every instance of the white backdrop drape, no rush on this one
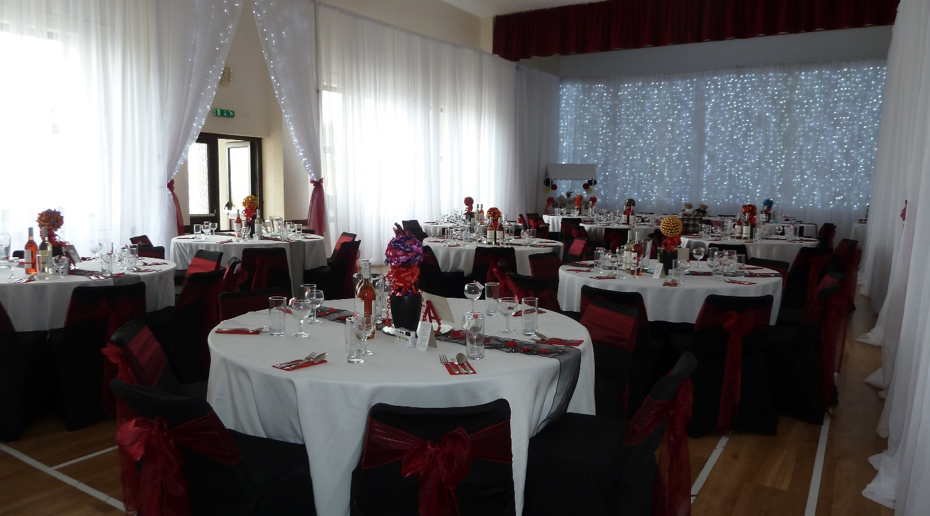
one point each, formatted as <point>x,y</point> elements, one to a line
<point>904,171</point>
<point>537,133</point>
<point>410,127</point>
<point>100,100</point>
<point>803,135</point>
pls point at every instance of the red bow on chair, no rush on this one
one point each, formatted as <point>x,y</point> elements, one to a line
<point>316,217</point>
<point>163,490</point>
<point>441,466</point>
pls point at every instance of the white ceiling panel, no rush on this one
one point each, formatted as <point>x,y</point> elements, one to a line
<point>485,8</point>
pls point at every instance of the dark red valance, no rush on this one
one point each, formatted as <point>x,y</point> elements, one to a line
<point>613,25</point>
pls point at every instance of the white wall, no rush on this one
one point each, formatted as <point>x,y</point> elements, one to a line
<point>835,45</point>
<point>433,18</point>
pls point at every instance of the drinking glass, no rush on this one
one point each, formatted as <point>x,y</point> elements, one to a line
<point>300,309</point>
<point>507,306</point>
<point>6,241</point>
<point>95,249</point>
<point>306,288</point>
<point>720,259</point>
<point>355,346</point>
<point>732,265</point>
<point>61,265</point>
<point>741,264</point>
<point>530,317</point>
<point>698,252</point>
<point>245,232</point>
<point>106,263</point>
<point>492,291</point>
<point>473,325</point>
<point>133,256</point>
<point>685,266</point>
<point>315,298</point>
<point>473,292</point>
<point>277,312</point>
<point>365,329</point>
<point>530,236</point>
<point>197,230</point>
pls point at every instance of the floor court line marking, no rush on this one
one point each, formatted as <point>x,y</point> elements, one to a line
<point>814,492</point>
<point>708,466</point>
<point>88,456</point>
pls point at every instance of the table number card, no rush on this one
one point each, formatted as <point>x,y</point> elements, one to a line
<point>425,337</point>
<point>659,270</point>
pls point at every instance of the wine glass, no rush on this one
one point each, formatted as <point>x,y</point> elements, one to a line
<point>197,228</point>
<point>61,265</point>
<point>306,288</point>
<point>473,292</point>
<point>507,306</point>
<point>6,241</point>
<point>315,298</point>
<point>245,232</point>
<point>698,252</point>
<point>684,266</point>
<point>95,249</point>
<point>300,309</point>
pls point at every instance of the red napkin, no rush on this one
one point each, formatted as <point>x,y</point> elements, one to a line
<point>146,270</point>
<point>581,264</point>
<point>239,331</point>
<point>603,277</point>
<point>555,341</point>
<point>455,372</point>
<point>740,282</point>
<point>454,245</point>
<point>518,313</point>
<point>287,366</point>
<point>457,334</point>
<point>752,268</point>
<point>578,270</point>
<point>700,273</point>
<point>764,274</point>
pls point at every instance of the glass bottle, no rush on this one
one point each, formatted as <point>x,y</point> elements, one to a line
<point>30,251</point>
<point>45,250</point>
<point>365,294</point>
<point>259,226</point>
<point>238,224</point>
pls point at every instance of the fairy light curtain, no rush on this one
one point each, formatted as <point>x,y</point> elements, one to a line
<point>803,135</point>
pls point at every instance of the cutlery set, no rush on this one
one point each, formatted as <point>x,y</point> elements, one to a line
<point>460,365</point>
<point>310,360</point>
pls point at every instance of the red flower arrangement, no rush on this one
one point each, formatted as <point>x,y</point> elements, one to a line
<point>250,203</point>
<point>592,200</point>
<point>404,254</point>
<point>750,211</point>
<point>549,202</point>
<point>52,221</point>
<point>578,200</point>
<point>469,204</point>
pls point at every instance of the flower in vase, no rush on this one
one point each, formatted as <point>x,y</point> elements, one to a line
<point>250,205</point>
<point>671,227</point>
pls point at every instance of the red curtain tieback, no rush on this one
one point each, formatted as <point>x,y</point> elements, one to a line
<point>441,465</point>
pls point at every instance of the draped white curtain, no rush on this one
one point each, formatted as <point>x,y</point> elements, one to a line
<point>287,33</point>
<point>100,100</point>
<point>537,133</point>
<point>410,127</point>
<point>903,171</point>
<point>802,135</point>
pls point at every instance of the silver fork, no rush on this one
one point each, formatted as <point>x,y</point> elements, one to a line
<point>308,358</point>
<point>445,361</point>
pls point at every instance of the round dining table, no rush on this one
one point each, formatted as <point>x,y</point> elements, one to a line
<point>769,248</point>
<point>458,256</point>
<point>42,304</point>
<point>326,406</point>
<point>307,252</point>
<point>680,304</point>
<point>555,221</point>
<point>435,229</point>
<point>637,233</point>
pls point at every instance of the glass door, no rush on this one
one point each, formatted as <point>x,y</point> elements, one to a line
<point>222,171</point>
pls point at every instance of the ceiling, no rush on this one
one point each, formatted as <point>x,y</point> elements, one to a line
<point>485,8</point>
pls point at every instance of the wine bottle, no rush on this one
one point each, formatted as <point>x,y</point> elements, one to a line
<point>30,251</point>
<point>479,217</point>
<point>259,226</point>
<point>45,251</point>
<point>746,230</point>
<point>365,294</point>
<point>639,251</point>
<point>238,224</point>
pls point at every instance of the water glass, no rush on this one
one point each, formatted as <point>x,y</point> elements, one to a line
<point>61,264</point>
<point>355,346</point>
<point>529,236</point>
<point>315,298</point>
<point>507,307</point>
<point>741,264</point>
<point>197,230</point>
<point>42,266</point>
<point>530,315</point>
<point>684,266</point>
<point>106,263</point>
<point>492,292</point>
<point>719,265</point>
<point>473,325</point>
<point>277,313</point>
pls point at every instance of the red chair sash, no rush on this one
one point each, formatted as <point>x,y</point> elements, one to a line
<point>199,264</point>
<point>316,216</point>
<point>546,267</point>
<point>141,239</point>
<point>440,466</point>
<point>178,217</point>
<point>737,326</point>
<point>534,224</point>
<point>148,357</point>
<point>162,489</point>
<point>814,274</point>
<point>671,495</point>
<point>115,354</point>
<point>611,328</point>
<point>235,278</point>
<point>816,306</point>
<point>260,275</point>
<point>342,239</point>
<point>429,258</point>
<point>577,247</point>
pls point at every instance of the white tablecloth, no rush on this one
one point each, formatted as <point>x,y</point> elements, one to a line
<point>809,229</point>
<point>435,230</point>
<point>769,248</point>
<point>326,406</point>
<point>596,231</point>
<point>307,253</point>
<point>555,221</point>
<point>673,304</point>
<point>43,304</point>
<point>459,257</point>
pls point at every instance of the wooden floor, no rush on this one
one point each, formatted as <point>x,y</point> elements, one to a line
<point>753,475</point>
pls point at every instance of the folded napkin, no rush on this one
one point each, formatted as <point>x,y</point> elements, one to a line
<point>186,238</point>
<point>453,371</point>
<point>225,242</point>
<point>454,245</point>
<point>581,264</point>
<point>148,264</point>
<point>603,277</point>
<point>519,313</point>
<point>325,310</point>
<point>669,284</point>
<point>294,365</point>
<point>145,270</point>
<point>30,279</point>
<point>700,273</point>
<point>240,331</point>
<point>764,274</point>
<point>555,341</point>
<point>740,282</point>
<point>578,270</point>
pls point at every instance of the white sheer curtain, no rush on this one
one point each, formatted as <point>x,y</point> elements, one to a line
<point>100,99</point>
<point>410,127</point>
<point>803,135</point>
<point>537,133</point>
<point>904,172</point>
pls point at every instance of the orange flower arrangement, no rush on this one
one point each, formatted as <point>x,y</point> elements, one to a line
<point>493,213</point>
<point>250,203</point>
<point>578,200</point>
<point>52,221</point>
<point>671,227</point>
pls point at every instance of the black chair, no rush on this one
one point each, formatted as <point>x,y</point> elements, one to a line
<point>242,474</point>
<point>146,363</point>
<point>483,482</point>
<point>266,267</point>
<point>776,265</point>
<point>343,238</point>
<point>607,466</point>
<point>800,363</point>
<point>203,261</point>
<point>434,281</point>
<point>141,240</point>
<point>25,392</point>
<point>567,225</point>
<point>522,286</point>
<point>487,256</point>
<point>726,321</point>
<point>797,286</point>
<point>94,314</point>
<point>826,235</point>
<point>151,251</point>
<point>335,279</point>
<point>234,304</point>
<point>615,238</point>
<point>413,226</point>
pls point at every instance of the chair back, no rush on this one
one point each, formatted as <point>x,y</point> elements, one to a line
<point>203,473</point>
<point>826,235</point>
<point>196,313</point>
<point>396,436</point>
<point>568,224</point>
<point>144,359</point>
<point>235,275</point>
<point>204,261</point>
<point>413,226</point>
<point>234,304</point>
<point>775,265</point>
<point>151,251</point>
<point>546,266</point>
<point>795,295</point>
<point>615,332</point>
<point>141,240</point>
<point>266,267</point>
<point>630,299</point>
<point>487,256</point>
<point>345,265</point>
<point>616,237</point>
<point>343,238</point>
<point>521,286</point>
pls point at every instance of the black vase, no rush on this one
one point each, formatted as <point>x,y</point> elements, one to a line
<point>405,311</point>
<point>665,258</point>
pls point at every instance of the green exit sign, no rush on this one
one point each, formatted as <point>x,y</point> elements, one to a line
<point>224,113</point>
